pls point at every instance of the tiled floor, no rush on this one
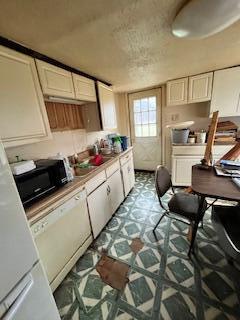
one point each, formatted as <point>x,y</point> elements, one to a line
<point>163,282</point>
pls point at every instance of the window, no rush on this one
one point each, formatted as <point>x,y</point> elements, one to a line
<point>145,117</point>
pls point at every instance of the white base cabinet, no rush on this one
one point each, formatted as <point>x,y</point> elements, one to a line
<point>99,208</point>
<point>116,190</point>
<point>128,176</point>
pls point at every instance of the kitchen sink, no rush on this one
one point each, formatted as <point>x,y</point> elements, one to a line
<point>81,172</point>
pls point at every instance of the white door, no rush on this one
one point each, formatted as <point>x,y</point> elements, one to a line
<point>145,115</point>
<point>126,181</point>
<point>18,252</point>
<point>99,208</point>
<point>116,190</point>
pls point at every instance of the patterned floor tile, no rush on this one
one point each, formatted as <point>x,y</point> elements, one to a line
<point>177,305</point>
<point>123,315</point>
<point>180,271</point>
<point>178,243</point>
<point>114,224</point>
<point>153,218</point>
<point>156,238</point>
<point>86,263</point>
<point>140,292</point>
<point>213,313</point>
<point>91,291</point>
<point>211,253</point>
<point>65,297</point>
<point>122,211</point>
<point>143,203</point>
<point>138,215</point>
<point>121,249</point>
<point>180,227</point>
<point>100,312</point>
<point>218,286</point>
<point>131,229</point>
<point>102,241</point>
<point>148,259</point>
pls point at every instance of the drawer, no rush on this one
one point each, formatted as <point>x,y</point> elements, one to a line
<point>124,159</point>
<point>93,183</point>
<point>113,168</point>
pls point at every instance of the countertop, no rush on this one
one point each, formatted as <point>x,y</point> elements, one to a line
<point>41,208</point>
<point>204,144</point>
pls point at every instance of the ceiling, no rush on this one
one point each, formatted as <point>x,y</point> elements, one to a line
<point>125,42</point>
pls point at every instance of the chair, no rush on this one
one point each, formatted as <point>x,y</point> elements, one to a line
<point>183,204</point>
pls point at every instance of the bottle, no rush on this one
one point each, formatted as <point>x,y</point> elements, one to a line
<point>117,147</point>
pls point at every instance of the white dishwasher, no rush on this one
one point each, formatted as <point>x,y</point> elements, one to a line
<point>62,237</point>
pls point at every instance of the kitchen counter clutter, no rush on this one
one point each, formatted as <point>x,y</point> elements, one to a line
<point>65,223</point>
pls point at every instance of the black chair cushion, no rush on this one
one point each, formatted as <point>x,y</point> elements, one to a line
<point>185,204</point>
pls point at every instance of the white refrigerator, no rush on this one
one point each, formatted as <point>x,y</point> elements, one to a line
<point>24,290</point>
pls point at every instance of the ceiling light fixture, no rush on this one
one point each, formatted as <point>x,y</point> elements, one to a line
<point>202,18</point>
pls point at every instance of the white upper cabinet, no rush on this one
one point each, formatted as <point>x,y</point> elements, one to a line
<point>226,92</point>
<point>55,81</point>
<point>23,117</point>
<point>200,87</point>
<point>107,106</point>
<point>84,88</point>
<point>177,92</point>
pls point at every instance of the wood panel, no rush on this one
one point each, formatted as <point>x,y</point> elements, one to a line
<point>63,116</point>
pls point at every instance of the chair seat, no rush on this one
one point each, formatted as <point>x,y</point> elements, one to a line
<point>185,204</point>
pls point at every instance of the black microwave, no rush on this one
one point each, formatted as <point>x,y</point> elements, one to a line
<point>48,176</point>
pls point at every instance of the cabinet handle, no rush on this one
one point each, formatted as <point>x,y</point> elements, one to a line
<point>77,198</point>
<point>108,190</point>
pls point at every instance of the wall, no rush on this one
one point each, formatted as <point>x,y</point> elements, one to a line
<point>67,142</point>
<point>121,101</point>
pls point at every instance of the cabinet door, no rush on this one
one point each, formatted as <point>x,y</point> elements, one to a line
<point>116,190</point>
<point>99,208</point>
<point>226,92</point>
<point>55,81</point>
<point>107,106</point>
<point>131,172</point>
<point>84,88</point>
<point>182,170</point>
<point>200,87</point>
<point>91,117</point>
<point>126,178</point>
<point>23,117</point>
<point>177,92</point>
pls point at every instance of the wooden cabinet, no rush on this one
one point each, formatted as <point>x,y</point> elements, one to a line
<point>91,117</point>
<point>116,196</point>
<point>200,87</point>
<point>55,81</point>
<point>182,169</point>
<point>226,92</point>
<point>177,92</point>
<point>64,116</point>
<point>107,106</point>
<point>84,88</point>
<point>99,208</point>
<point>128,176</point>
<point>23,117</point>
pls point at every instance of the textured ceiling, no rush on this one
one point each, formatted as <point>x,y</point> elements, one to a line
<point>125,42</point>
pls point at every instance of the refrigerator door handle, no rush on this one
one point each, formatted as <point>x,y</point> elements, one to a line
<point>19,300</point>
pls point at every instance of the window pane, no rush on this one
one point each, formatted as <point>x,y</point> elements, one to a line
<point>136,105</point>
<point>144,117</point>
<point>144,104</point>
<point>138,131</point>
<point>145,130</point>
<point>152,103</point>
<point>152,130</point>
<point>137,118</point>
<point>152,117</point>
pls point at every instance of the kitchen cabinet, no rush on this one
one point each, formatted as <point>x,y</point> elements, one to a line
<point>91,117</point>
<point>107,107</point>
<point>200,87</point>
<point>177,92</point>
<point>116,196</point>
<point>184,157</point>
<point>23,117</point>
<point>128,176</point>
<point>226,92</point>
<point>84,88</point>
<point>64,116</point>
<point>55,81</point>
<point>99,208</point>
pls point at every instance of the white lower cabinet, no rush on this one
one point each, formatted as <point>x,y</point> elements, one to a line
<point>116,190</point>
<point>182,169</point>
<point>99,208</point>
<point>128,176</point>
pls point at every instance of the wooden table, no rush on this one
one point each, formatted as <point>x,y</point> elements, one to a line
<point>206,183</point>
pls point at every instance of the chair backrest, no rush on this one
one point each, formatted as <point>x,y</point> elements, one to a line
<point>162,180</point>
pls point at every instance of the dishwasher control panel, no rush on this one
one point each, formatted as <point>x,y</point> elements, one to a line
<point>40,226</point>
